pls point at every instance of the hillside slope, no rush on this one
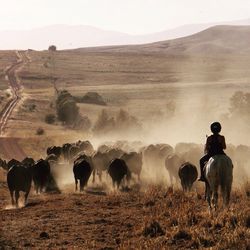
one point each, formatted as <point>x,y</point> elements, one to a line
<point>218,39</point>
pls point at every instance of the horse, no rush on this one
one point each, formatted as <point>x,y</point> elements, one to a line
<point>218,172</point>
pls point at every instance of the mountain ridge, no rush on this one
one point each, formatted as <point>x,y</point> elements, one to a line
<point>78,36</point>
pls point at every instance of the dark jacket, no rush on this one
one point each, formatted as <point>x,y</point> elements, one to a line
<point>215,145</point>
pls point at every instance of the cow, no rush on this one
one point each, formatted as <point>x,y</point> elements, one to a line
<point>118,170</point>
<point>3,164</point>
<point>65,151</point>
<point>82,171</point>
<point>172,164</point>
<point>134,162</point>
<point>73,153</point>
<point>28,162</point>
<point>154,157</point>
<point>85,147</point>
<point>188,174</point>
<point>100,162</point>
<point>19,178</point>
<point>56,150</point>
<point>13,162</point>
<point>41,174</point>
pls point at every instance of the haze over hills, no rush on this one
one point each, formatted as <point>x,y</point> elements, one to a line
<point>223,39</point>
<point>69,37</point>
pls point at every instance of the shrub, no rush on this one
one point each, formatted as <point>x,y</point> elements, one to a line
<point>50,118</point>
<point>40,131</point>
<point>90,97</point>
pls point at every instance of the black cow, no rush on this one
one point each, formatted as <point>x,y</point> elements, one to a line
<point>118,169</point>
<point>65,151</point>
<point>41,174</point>
<point>82,171</point>
<point>19,178</point>
<point>188,174</point>
<point>28,162</point>
<point>56,150</point>
<point>13,163</point>
<point>134,162</point>
<point>3,164</point>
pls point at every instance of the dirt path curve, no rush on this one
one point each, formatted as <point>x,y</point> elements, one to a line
<point>9,146</point>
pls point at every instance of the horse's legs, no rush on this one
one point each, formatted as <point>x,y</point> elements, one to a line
<point>226,194</point>
<point>208,194</point>
<point>17,197</point>
<point>183,185</point>
<point>171,180</point>
<point>215,196</point>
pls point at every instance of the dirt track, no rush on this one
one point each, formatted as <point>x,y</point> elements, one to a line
<point>9,146</point>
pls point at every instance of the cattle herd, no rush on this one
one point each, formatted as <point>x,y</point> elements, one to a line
<point>122,161</point>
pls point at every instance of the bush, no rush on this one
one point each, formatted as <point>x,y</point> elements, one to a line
<point>66,108</point>
<point>50,118</point>
<point>40,131</point>
<point>90,97</point>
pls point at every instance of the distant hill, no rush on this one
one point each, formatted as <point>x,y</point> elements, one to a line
<point>219,39</point>
<point>78,36</point>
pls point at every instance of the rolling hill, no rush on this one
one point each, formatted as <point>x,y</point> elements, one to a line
<point>223,39</point>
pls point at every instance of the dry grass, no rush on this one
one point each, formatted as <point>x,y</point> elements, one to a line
<point>154,218</point>
<point>6,59</point>
<point>126,80</point>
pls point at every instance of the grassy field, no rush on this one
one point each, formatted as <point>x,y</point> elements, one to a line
<point>142,84</point>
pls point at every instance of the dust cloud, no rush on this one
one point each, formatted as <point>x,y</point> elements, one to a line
<point>195,109</point>
<point>182,120</point>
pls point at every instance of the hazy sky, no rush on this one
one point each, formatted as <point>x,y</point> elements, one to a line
<point>131,16</point>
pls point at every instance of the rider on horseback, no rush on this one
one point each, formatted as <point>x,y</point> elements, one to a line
<point>214,146</point>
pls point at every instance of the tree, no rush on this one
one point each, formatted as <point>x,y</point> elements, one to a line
<point>66,108</point>
<point>52,48</point>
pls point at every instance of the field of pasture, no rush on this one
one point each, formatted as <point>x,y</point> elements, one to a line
<point>149,86</point>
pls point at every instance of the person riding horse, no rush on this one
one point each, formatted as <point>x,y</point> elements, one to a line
<point>215,145</point>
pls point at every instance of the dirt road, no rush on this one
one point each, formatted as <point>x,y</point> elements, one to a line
<point>9,146</point>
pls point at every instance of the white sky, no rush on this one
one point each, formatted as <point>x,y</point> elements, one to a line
<point>130,16</point>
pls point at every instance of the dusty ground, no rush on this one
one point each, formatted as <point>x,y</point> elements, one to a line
<point>112,220</point>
